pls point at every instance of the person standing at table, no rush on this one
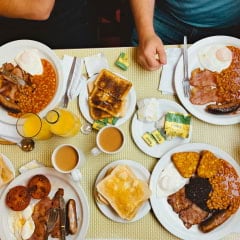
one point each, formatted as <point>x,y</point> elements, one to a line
<point>161,22</point>
<point>57,23</point>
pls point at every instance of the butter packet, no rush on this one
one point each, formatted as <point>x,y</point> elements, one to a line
<point>122,61</point>
<point>177,124</point>
<point>158,136</point>
<point>98,124</point>
<point>149,139</point>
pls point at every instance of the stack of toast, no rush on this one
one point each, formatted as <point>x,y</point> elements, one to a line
<point>108,95</point>
<point>123,191</point>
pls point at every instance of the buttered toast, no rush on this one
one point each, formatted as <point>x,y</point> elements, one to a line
<point>123,191</point>
<point>107,95</point>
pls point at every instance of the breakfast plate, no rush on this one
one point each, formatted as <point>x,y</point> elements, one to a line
<point>193,63</point>
<point>168,218</point>
<point>138,128</point>
<point>71,190</point>
<point>142,173</point>
<point>130,104</point>
<point>10,50</point>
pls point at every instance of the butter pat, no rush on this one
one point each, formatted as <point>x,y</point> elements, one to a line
<point>122,61</point>
<point>148,110</point>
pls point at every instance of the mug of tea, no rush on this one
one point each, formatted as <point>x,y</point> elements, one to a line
<point>66,158</point>
<point>110,140</point>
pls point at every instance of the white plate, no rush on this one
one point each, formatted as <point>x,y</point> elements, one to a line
<point>169,219</point>
<point>130,104</point>
<point>193,62</point>
<point>9,51</point>
<point>138,128</point>
<point>58,180</point>
<point>142,173</point>
<point>11,167</point>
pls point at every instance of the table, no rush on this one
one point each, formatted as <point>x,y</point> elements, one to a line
<point>146,85</point>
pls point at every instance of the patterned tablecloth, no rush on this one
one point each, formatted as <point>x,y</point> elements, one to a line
<point>146,84</point>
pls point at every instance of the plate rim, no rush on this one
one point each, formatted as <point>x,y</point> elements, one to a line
<point>193,109</point>
<point>49,53</point>
<point>67,178</point>
<point>135,121</point>
<point>130,163</point>
<point>131,98</point>
<point>156,202</point>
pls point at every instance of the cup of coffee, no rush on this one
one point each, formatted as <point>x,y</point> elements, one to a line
<point>66,158</point>
<point>110,140</point>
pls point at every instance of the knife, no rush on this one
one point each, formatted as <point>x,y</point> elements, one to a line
<point>70,76</point>
<point>62,214</point>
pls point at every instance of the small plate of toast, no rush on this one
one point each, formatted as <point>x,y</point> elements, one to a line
<point>107,95</point>
<point>122,192</point>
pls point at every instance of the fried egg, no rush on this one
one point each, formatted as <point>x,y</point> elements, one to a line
<point>21,223</point>
<point>215,57</point>
<point>30,61</point>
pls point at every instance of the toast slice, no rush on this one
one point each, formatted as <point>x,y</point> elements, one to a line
<point>100,99</point>
<point>124,192</point>
<point>112,84</point>
<point>6,175</point>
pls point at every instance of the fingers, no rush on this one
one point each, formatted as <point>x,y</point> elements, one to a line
<point>151,54</point>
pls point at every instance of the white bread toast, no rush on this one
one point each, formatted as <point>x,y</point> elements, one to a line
<point>6,175</point>
<point>107,95</point>
<point>123,191</point>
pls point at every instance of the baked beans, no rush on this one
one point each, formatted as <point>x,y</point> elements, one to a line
<point>36,96</point>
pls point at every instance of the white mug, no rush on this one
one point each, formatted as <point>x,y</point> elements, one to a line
<point>66,158</point>
<point>110,140</point>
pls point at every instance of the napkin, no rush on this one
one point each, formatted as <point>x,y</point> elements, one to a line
<point>77,81</point>
<point>166,85</point>
<point>94,64</point>
<point>30,165</point>
<point>9,132</point>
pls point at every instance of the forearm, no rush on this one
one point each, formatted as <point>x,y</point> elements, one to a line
<point>26,9</point>
<point>143,11</point>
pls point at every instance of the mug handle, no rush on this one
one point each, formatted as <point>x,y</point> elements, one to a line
<point>76,175</point>
<point>95,151</point>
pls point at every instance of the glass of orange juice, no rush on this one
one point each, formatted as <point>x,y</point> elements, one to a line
<point>30,125</point>
<point>63,122</point>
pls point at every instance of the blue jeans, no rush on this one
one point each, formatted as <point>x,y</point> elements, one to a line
<point>171,30</point>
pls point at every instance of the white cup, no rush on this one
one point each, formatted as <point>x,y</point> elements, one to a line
<point>110,140</point>
<point>66,158</point>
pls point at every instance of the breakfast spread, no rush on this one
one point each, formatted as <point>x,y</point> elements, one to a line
<point>123,191</point>
<point>27,84</point>
<point>216,83</point>
<point>107,95</point>
<point>212,194</point>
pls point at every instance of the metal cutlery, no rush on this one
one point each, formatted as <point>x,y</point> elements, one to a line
<point>62,214</point>
<point>186,84</point>
<point>52,218</point>
<point>70,76</point>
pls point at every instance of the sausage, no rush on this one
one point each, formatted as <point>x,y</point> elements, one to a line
<point>72,216</point>
<point>223,108</point>
<point>214,221</point>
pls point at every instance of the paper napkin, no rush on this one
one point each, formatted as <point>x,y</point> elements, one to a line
<point>94,64</point>
<point>76,84</point>
<point>9,132</point>
<point>167,76</point>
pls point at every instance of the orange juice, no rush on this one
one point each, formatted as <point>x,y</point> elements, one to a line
<point>31,125</point>
<point>45,132</point>
<point>63,122</point>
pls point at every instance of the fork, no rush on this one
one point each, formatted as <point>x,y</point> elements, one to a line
<point>52,218</point>
<point>186,85</point>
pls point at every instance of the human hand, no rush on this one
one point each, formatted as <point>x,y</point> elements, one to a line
<point>150,53</point>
